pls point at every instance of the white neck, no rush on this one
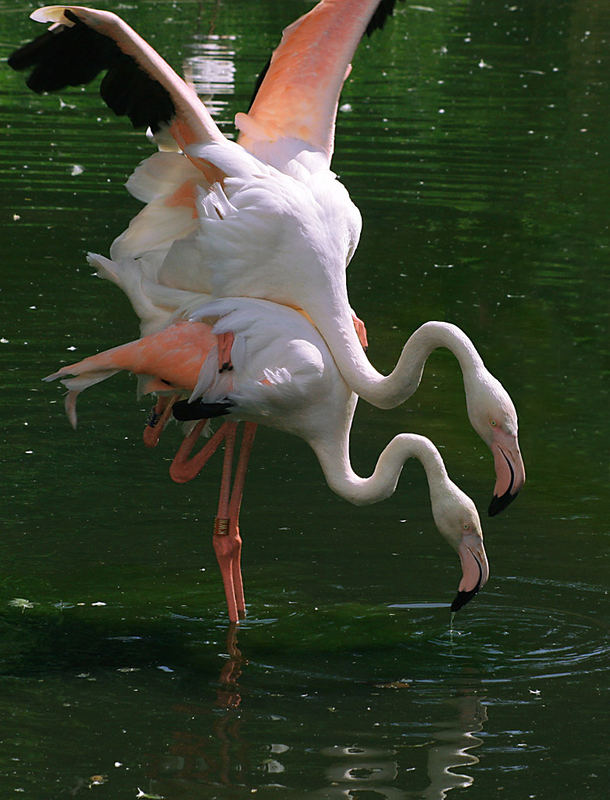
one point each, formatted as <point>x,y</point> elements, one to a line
<point>393,389</point>
<point>341,478</point>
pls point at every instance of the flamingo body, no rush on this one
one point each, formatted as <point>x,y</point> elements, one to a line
<point>284,377</point>
<point>264,218</point>
<point>234,239</point>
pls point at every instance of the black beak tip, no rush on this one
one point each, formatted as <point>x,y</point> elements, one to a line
<point>500,503</point>
<point>462,598</point>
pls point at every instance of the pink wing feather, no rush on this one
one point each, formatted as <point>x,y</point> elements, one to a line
<point>299,95</point>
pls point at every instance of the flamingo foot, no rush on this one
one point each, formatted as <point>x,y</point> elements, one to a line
<point>157,420</point>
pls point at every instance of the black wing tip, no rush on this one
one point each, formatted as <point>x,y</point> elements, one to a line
<point>69,14</point>
<point>188,412</point>
<point>384,10</point>
<point>27,55</point>
<point>498,504</point>
<point>73,55</point>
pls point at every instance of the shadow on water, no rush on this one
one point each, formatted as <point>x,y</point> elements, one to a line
<point>501,640</point>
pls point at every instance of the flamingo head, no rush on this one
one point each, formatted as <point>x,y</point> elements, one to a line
<point>493,416</point>
<point>457,519</point>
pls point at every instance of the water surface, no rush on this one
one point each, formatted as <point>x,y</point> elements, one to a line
<point>473,138</point>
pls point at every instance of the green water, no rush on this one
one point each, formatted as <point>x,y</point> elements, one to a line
<point>474,140</point>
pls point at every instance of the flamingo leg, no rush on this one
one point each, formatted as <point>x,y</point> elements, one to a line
<point>247,442</point>
<point>183,468</point>
<point>226,545</point>
<point>158,419</point>
<point>227,539</point>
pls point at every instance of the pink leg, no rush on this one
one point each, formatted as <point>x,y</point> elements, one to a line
<point>234,508</point>
<point>158,418</point>
<point>226,544</point>
<point>183,468</point>
<point>227,539</point>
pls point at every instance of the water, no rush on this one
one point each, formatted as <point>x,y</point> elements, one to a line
<point>473,139</point>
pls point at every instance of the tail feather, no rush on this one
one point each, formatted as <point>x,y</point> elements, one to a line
<point>77,385</point>
<point>155,304</point>
<point>166,361</point>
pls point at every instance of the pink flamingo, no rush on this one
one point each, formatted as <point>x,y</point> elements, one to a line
<point>283,376</point>
<point>263,218</point>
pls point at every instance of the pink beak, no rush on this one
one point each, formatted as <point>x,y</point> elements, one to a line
<point>475,569</point>
<point>510,471</point>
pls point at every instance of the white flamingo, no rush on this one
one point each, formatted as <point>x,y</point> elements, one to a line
<point>284,377</point>
<point>264,218</point>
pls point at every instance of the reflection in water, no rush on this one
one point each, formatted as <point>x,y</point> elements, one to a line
<point>362,768</point>
<point>198,758</point>
<point>228,692</point>
<point>371,773</point>
<point>347,771</point>
<point>211,71</point>
<point>453,747</point>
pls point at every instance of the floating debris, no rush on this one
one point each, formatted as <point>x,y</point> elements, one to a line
<point>393,685</point>
<point>21,602</point>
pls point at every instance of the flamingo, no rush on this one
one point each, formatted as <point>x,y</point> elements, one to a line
<point>284,377</point>
<point>264,217</point>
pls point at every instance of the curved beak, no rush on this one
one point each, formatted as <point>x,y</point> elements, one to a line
<point>475,569</point>
<point>510,471</point>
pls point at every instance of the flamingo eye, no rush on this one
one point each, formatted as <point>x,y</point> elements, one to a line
<point>466,526</point>
<point>493,423</point>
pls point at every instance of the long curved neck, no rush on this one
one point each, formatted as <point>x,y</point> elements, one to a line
<point>393,389</point>
<point>341,478</point>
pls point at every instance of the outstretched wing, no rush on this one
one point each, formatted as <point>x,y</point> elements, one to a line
<point>299,93</point>
<point>82,42</point>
